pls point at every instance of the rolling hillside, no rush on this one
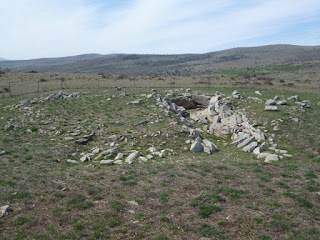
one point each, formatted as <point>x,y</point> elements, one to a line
<point>183,64</point>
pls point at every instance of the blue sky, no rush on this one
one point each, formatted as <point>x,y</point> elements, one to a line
<point>43,28</point>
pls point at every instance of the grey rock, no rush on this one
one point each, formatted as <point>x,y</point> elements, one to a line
<point>201,100</point>
<point>237,142</point>
<point>258,93</point>
<point>294,98</point>
<point>82,141</point>
<point>221,130</point>
<point>72,161</point>
<point>250,147</point>
<point>119,156</point>
<point>24,102</point>
<point>271,158</point>
<point>209,146</point>
<point>282,102</point>
<point>152,149</point>
<point>246,142</point>
<point>143,159</point>
<point>194,133</point>
<point>132,157</point>
<point>3,153</point>
<point>257,151</point>
<point>118,162</point>
<point>85,158</point>
<point>149,156</point>
<point>196,147</point>
<point>270,102</point>
<point>4,210</point>
<point>263,155</point>
<point>106,162</point>
<point>69,138</point>
<point>271,108</point>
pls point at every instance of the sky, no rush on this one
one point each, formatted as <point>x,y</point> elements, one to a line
<point>45,28</point>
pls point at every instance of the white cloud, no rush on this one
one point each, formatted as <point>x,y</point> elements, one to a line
<point>42,28</point>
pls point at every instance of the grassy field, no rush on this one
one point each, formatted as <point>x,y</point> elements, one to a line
<point>227,195</point>
<point>19,83</point>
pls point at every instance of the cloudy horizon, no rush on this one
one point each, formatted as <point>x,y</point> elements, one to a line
<point>38,29</point>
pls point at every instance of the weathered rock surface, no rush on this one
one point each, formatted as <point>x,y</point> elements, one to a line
<point>4,210</point>
<point>271,108</point>
<point>72,161</point>
<point>271,158</point>
<point>196,146</point>
<point>130,159</point>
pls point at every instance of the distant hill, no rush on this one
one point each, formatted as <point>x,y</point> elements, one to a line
<point>180,64</point>
<point>3,59</point>
<point>22,65</point>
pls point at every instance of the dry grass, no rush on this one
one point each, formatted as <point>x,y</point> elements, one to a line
<point>26,83</point>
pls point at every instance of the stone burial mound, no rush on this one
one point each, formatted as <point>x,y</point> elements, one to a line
<point>218,116</point>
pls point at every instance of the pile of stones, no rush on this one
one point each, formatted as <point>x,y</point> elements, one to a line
<point>221,119</point>
<point>54,96</point>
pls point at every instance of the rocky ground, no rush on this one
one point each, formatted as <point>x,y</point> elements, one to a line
<point>180,164</point>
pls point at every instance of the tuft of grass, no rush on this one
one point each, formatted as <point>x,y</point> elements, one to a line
<point>206,210</point>
<point>208,231</point>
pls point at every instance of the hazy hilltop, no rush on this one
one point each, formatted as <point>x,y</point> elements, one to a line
<point>3,59</point>
<point>180,64</point>
<point>41,62</point>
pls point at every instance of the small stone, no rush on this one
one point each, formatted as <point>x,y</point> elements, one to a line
<point>258,93</point>
<point>263,155</point>
<point>208,145</point>
<point>270,102</point>
<point>149,156</point>
<point>4,210</point>
<point>69,138</point>
<point>119,156</point>
<point>2,153</point>
<point>196,147</point>
<point>118,162</point>
<point>271,158</point>
<point>152,149</point>
<point>271,108</point>
<point>256,151</point>
<point>96,150</point>
<point>287,155</point>
<point>246,142</point>
<point>132,157</point>
<point>72,161</point>
<point>250,147</point>
<point>142,159</point>
<point>106,162</point>
<point>85,158</point>
<point>133,203</point>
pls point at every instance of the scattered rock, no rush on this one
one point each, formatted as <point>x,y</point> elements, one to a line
<point>132,157</point>
<point>196,146</point>
<point>72,161</point>
<point>106,162</point>
<point>4,210</point>
<point>119,156</point>
<point>85,158</point>
<point>270,102</point>
<point>271,158</point>
<point>258,93</point>
<point>294,98</point>
<point>250,147</point>
<point>271,108</point>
